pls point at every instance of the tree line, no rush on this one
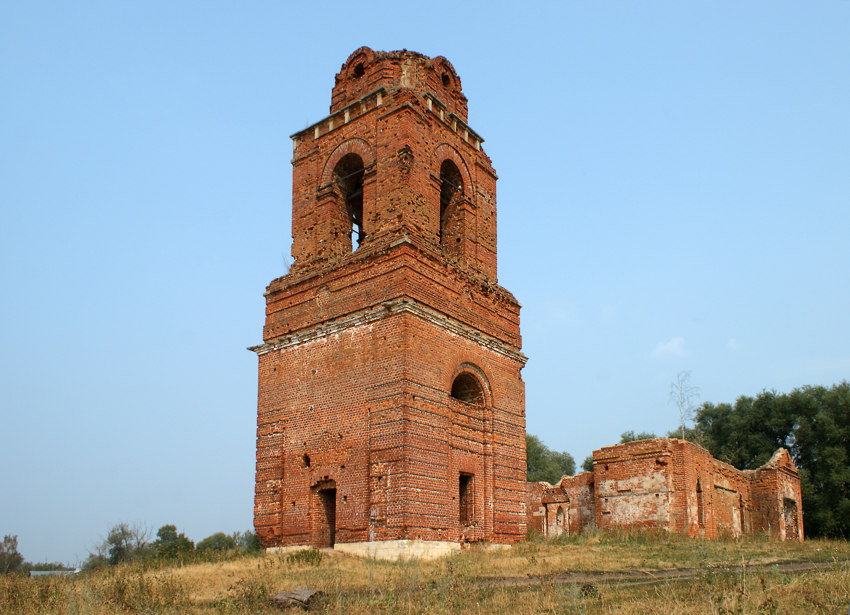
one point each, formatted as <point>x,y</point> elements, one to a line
<point>125,544</point>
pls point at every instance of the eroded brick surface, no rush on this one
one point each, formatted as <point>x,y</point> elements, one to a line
<point>672,485</point>
<point>363,432</point>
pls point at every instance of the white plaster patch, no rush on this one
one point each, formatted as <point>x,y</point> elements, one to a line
<point>399,549</point>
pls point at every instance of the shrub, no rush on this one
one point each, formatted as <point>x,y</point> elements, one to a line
<point>171,545</point>
<point>217,542</point>
<point>10,559</point>
<point>311,557</point>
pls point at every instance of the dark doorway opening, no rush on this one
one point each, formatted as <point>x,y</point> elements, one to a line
<point>465,499</point>
<point>700,506</point>
<point>327,533</point>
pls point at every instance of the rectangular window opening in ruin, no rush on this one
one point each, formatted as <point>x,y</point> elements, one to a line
<point>790,517</point>
<point>465,499</point>
<point>700,507</point>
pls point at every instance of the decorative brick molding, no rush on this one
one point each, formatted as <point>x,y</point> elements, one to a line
<point>444,151</point>
<point>394,307</point>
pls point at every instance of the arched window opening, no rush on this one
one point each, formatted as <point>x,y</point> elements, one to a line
<point>451,195</point>
<point>348,175</point>
<point>467,388</point>
<point>359,71</point>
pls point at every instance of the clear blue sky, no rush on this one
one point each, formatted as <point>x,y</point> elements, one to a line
<point>673,195</point>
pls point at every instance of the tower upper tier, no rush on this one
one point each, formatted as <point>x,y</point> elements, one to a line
<point>394,161</point>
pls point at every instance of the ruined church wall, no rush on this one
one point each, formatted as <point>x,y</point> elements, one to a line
<point>777,498</point>
<point>677,486</point>
<point>573,495</point>
<point>535,512</point>
<point>711,497</point>
<point>580,491</point>
<point>634,485</point>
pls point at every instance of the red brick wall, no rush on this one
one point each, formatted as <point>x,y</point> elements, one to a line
<point>361,349</point>
<point>676,486</point>
<point>633,485</point>
<point>777,498</point>
<point>581,493</point>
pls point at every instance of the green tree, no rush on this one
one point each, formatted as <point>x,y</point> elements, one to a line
<point>217,542</point>
<point>631,436</point>
<point>10,559</point>
<point>820,437</point>
<point>544,464</point>
<point>169,544</point>
<point>247,542</point>
<point>747,433</point>
<point>123,544</point>
<point>587,464</point>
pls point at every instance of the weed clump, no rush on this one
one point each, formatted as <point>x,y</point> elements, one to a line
<point>309,557</point>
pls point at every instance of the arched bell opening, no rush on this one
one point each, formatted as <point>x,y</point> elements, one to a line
<point>451,199</point>
<point>348,177</point>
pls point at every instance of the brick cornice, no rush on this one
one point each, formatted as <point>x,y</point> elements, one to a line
<point>382,247</point>
<point>390,308</point>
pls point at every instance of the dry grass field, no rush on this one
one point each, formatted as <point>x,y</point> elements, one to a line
<point>539,576</point>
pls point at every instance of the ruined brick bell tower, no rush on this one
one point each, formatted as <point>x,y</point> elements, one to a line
<point>391,413</point>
